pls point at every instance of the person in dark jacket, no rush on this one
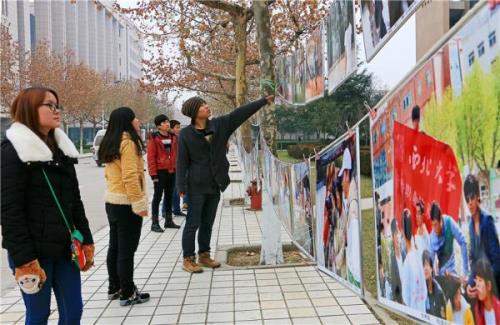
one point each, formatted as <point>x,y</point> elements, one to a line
<point>203,172</point>
<point>33,230</point>
<point>435,303</point>
<point>483,236</point>
<point>162,151</point>
<point>397,259</point>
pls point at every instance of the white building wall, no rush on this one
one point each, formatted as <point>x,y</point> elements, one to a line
<point>23,23</point>
<point>42,22</point>
<point>109,43</point>
<point>92,32</point>
<point>477,33</point>
<point>82,32</point>
<point>9,17</point>
<point>101,44</point>
<point>58,28</point>
<point>72,29</point>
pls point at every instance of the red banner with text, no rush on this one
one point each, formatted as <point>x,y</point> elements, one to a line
<point>425,169</point>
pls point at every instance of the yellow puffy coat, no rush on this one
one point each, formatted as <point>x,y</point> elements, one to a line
<point>125,178</point>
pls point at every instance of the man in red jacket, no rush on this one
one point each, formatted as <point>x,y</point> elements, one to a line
<point>162,152</point>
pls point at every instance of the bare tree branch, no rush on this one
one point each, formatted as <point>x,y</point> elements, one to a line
<point>206,73</point>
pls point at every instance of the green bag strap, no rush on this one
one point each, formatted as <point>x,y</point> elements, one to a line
<point>57,201</point>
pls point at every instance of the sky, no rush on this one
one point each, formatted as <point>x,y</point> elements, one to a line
<point>397,57</point>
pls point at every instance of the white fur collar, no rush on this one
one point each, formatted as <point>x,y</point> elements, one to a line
<point>30,147</point>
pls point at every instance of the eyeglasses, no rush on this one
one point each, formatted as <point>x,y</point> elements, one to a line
<point>53,107</point>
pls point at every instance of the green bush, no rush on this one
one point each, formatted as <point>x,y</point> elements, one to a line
<point>365,161</point>
<point>298,151</point>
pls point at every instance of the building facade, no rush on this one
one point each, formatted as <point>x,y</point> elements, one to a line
<point>434,18</point>
<point>92,30</point>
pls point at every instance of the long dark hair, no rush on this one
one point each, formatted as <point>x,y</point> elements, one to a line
<point>120,121</point>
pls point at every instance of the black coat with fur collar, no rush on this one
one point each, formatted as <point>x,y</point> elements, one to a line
<point>32,226</point>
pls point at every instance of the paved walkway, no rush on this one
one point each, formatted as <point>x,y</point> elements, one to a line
<point>286,295</point>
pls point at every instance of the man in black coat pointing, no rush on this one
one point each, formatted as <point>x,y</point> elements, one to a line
<point>203,172</point>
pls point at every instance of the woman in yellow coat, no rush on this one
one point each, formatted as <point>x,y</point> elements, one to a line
<point>126,202</point>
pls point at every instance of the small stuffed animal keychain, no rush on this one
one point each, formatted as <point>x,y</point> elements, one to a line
<point>29,283</point>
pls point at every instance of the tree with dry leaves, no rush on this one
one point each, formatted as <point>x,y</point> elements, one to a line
<point>12,65</point>
<point>210,47</point>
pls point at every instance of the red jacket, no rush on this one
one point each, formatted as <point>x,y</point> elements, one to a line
<point>158,156</point>
<point>479,311</point>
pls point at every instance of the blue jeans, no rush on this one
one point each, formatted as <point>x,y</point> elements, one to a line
<point>200,217</point>
<point>64,278</point>
<point>176,203</point>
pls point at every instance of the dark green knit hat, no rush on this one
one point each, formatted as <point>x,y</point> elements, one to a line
<point>191,106</point>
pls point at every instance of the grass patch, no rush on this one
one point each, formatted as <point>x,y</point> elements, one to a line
<point>366,186</point>
<point>284,156</point>
<point>369,258</point>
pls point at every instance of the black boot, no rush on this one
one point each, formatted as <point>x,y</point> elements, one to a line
<point>155,227</point>
<point>169,223</point>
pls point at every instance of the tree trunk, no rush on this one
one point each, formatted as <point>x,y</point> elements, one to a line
<point>81,136</point>
<point>240,31</point>
<point>272,249</point>
<point>94,127</point>
<point>263,26</point>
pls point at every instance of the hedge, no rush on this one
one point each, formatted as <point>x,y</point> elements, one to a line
<point>298,151</point>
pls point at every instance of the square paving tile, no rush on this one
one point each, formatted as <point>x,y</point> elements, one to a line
<point>363,319</point>
<point>137,320</point>
<point>306,321</point>
<point>329,311</point>
<point>302,312</point>
<point>248,315</point>
<point>356,309</point>
<point>340,320</point>
<point>243,306</point>
<point>281,321</point>
<point>192,318</point>
<point>275,313</point>
<point>110,320</point>
<point>199,308</point>
<point>164,319</point>
<point>220,307</point>
<point>220,317</point>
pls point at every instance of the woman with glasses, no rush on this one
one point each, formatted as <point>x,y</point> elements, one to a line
<point>34,233</point>
<point>126,202</point>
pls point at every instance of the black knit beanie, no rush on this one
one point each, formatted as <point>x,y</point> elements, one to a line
<point>191,106</point>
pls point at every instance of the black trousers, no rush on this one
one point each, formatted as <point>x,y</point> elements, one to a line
<point>124,234</point>
<point>164,185</point>
<point>200,217</point>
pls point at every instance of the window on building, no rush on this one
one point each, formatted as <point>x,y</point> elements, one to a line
<point>5,10</point>
<point>407,100</point>
<point>480,49</point>
<point>471,58</point>
<point>428,78</point>
<point>492,38</point>
<point>419,88</point>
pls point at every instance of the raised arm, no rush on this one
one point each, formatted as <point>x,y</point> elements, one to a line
<point>242,113</point>
<point>460,238</point>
